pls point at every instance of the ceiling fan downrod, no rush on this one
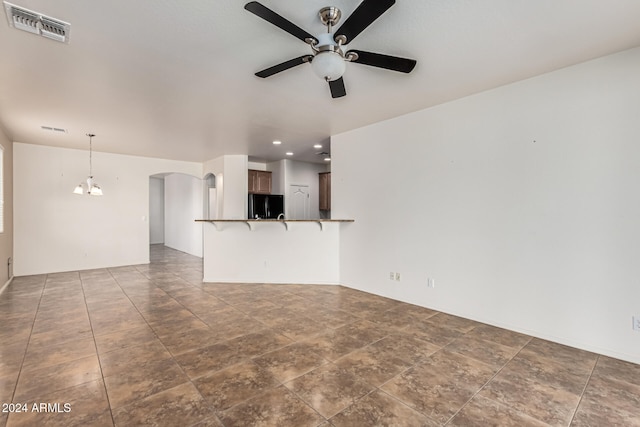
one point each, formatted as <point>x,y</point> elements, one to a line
<point>330,16</point>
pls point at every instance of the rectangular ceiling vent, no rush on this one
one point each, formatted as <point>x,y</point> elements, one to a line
<point>37,23</point>
<point>53,129</point>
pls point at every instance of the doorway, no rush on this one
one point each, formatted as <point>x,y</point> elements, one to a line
<point>156,209</point>
<point>210,197</point>
<point>299,202</point>
<point>175,200</point>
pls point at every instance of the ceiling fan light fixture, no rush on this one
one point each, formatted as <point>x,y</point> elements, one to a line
<point>328,60</point>
<point>328,65</point>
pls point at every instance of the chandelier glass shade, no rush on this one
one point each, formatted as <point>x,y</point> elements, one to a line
<point>89,186</point>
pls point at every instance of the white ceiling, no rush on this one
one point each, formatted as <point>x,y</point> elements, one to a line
<point>171,79</point>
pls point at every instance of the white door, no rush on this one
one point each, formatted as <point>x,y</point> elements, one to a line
<point>299,202</point>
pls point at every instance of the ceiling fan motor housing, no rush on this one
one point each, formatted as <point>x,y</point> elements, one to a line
<point>326,40</point>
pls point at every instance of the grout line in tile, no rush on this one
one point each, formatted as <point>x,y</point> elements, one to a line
<point>405,404</point>
<point>26,347</point>
<point>486,383</point>
<point>189,379</point>
<point>586,384</point>
<point>93,335</point>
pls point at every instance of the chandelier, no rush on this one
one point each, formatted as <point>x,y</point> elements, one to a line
<point>89,187</point>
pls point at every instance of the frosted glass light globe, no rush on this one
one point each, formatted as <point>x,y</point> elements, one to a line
<point>328,65</point>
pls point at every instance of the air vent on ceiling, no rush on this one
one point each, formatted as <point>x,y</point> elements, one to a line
<point>37,23</point>
<point>53,129</point>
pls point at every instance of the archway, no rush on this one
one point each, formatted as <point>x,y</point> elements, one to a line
<point>175,201</point>
<point>210,204</point>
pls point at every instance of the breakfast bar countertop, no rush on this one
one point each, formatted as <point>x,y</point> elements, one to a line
<point>251,223</point>
<point>274,220</point>
<point>272,250</point>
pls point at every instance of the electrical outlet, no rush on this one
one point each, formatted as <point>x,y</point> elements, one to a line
<point>392,276</point>
<point>397,277</point>
<point>636,323</point>
<point>431,283</point>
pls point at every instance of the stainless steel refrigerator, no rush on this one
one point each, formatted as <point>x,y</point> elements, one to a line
<point>265,206</point>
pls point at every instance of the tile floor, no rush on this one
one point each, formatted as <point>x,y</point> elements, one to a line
<point>153,345</point>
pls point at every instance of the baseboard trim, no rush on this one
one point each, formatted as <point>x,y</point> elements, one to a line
<point>7,283</point>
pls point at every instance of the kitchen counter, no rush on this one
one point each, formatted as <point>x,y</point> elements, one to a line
<point>272,251</point>
<point>251,223</point>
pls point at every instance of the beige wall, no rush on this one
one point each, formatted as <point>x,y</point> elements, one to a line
<point>58,231</point>
<point>520,202</point>
<point>6,238</point>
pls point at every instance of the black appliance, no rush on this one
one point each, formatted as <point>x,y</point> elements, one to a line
<point>265,206</point>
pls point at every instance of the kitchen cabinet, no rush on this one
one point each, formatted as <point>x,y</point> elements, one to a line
<point>325,191</point>
<point>259,182</point>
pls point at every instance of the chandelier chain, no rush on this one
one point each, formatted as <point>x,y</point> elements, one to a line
<point>90,135</point>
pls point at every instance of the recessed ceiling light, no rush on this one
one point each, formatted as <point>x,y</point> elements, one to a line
<point>317,146</point>
<point>277,142</point>
<point>327,159</point>
<point>289,153</point>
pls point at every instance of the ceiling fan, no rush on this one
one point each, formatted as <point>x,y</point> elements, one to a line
<point>328,59</point>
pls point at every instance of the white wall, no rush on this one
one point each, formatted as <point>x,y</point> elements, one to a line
<point>277,176</point>
<point>56,230</point>
<point>269,253</point>
<point>236,181</point>
<point>156,210</point>
<point>521,202</point>
<point>257,166</point>
<point>232,178</point>
<point>6,237</point>
<point>303,173</point>
<point>216,167</point>
<point>183,203</point>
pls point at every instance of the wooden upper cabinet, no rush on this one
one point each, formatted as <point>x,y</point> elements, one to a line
<point>325,191</point>
<point>259,182</point>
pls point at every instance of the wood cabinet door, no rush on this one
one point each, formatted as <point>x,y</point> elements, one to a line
<point>253,180</point>
<point>264,182</point>
<point>259,182</point>
<point>325,191</point>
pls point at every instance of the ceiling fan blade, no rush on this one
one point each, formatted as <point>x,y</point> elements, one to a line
<point>337,88</point>
<point>277,20</point>
<point>367,12</point>
<point>284,66</point>
<point>379,60</point>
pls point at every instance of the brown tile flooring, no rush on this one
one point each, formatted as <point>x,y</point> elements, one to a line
<point>153,345</point>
